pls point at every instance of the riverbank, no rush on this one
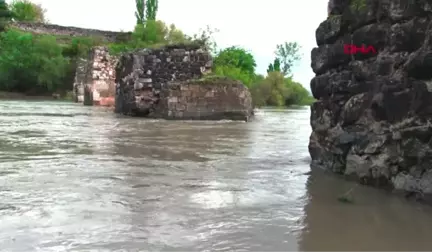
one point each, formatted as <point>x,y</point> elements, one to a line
<point>22,96</point>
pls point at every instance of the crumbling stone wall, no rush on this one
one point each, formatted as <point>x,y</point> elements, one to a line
<point>95,78</point>
<point>373,117</point>
<point>80,79</point>
<point>41,28</point>
<point>162,83</point>
<point>205,99</point>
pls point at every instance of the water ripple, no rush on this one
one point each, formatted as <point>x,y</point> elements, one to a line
<point>77,178</point>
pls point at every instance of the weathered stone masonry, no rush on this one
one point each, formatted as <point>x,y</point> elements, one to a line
<point>162,83</point>
<point>51,29</point>
<point>373,117</point>
<point>206,99</point>
<point>158,83</point>
<point>95,78</point>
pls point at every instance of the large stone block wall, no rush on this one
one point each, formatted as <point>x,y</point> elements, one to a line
<point>41,28</point>
<point>373,117</point>
<point>95,78</point>
<point>211,99</point>
<point>162,83</point>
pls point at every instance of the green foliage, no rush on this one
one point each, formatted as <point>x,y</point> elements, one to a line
<point>296,94</point>
<point>140,11</point>
<point>46,64</point>
<point>30,63</point>
<point>151,10</point>
<point>5,15</point>
<point>274,67</point>
<point>274,84</point>
<point>236,57</point>
<point>235,63</point>
<point>288,54</point>
<point>152,34</point>
<point>273,90</point>
<point>25,10</point>
<point>357,5</point>
<point>234,73</point>
<point>277,90</point>
<point>146,11</point>
<point>79,46</point>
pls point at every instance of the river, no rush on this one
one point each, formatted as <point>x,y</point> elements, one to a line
<point>75,178</point>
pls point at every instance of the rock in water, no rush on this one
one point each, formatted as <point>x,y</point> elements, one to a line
<point>373,116</point>
<point>170,83</point>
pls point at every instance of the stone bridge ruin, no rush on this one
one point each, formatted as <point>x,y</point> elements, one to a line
<point>168,82</point>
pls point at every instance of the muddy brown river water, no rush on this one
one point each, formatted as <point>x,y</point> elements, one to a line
<point>76,178</point>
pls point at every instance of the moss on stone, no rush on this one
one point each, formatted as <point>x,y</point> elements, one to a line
<point>215,80</point>
<point>358,5</point>
<point>334,17</point>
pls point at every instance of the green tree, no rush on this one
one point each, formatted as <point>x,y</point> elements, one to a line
<point>296,94</point>
<point>274,67</point>
<point>288,54</point>
<point>140,11</point>
<point>275,80</point>
<point>30,63</point>
<point>5,15</point>
<point>150,33</point>
<point>236,57</point>
<point>151,9</point>
<point>270,90</point>
<point>175,35</point>
<point>25,10</point>
<point>235,63</point>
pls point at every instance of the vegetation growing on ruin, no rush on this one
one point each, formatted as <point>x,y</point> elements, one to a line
<point>213,79</point>
<point>357,5</point>
<point>38,64</point>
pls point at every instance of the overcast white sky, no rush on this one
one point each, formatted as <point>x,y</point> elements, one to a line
<point>255,25</point>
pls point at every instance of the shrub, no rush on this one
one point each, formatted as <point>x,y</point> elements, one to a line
<point>152,34</point>
<point>296,93</point>
<point>5,15</point>
<point>24,10</point>
<point>234,73</point>
<point>236,57</point>
<point>29,63</point>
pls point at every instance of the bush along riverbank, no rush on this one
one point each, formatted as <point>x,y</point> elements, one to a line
<point>36,63</point>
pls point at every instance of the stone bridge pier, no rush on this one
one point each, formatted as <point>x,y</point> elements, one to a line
<point>95,78</point>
